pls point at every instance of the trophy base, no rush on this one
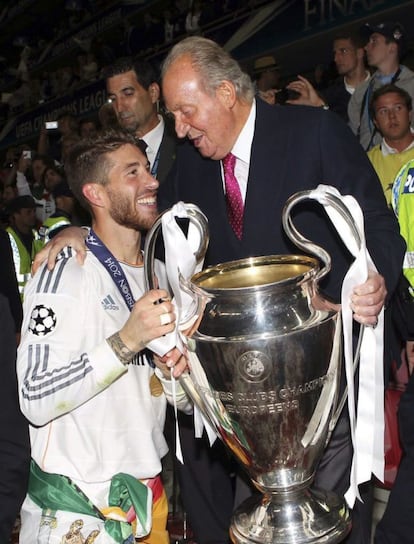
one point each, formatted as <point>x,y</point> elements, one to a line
<point>311,517</point>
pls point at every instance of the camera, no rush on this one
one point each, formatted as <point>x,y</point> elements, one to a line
<point>51,125</point>
<point>286,94</point>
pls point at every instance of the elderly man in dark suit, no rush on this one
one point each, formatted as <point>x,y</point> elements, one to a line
<point>278,151</point>
<point>134,93</point>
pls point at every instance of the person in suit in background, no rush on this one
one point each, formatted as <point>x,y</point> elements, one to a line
<point>134,93</point>
<point>278,151</point>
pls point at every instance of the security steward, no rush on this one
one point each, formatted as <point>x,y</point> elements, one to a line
<point>24,238</point>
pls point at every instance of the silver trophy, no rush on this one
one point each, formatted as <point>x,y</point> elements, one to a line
<point>265,372</point>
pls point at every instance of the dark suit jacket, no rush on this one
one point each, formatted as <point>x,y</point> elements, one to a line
<point>337,97</point>
<point>168,150</point>
<point>14,429</point>
<point>294,149</point>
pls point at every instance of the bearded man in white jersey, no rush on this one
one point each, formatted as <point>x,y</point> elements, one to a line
<point>94,397</point>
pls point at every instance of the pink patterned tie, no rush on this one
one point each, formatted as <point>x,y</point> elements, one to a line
<point>235,206</point>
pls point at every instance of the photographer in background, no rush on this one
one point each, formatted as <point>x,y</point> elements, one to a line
<point>30,180</point>
<point>53,133</point>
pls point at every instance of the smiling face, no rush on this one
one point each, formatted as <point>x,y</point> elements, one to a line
<point>127,194</point>
<point>134,106</point>
<point>392,117</point>
<point>207,119</point>
<point>130,194</point>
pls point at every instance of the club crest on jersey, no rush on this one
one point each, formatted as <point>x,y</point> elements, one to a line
<point>42,320</point>
<point>409,182</point>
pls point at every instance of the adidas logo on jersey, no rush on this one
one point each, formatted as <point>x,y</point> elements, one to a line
<point>108,303</point>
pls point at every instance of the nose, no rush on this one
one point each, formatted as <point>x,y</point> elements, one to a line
<point>151,182</point>
<point>119,104</point>
<point>181,127</point>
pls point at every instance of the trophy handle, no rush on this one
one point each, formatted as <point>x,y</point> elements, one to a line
<point>325,258</point>
<point>196,217</point>
<point>305,244</point>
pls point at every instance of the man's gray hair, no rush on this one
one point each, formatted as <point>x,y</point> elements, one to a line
<point>213,64</point>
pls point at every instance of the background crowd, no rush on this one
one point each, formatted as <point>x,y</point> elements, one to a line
<point>25,83</point>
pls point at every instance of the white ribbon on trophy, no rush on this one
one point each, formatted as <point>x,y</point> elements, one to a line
<point>367,421</point>
<point>180,259</point>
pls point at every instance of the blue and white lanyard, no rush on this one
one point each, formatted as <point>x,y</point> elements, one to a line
<point>114,269</point>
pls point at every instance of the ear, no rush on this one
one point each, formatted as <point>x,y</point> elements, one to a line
<point>93,194</point>
<point>226,93</point>
<point>154,90</point>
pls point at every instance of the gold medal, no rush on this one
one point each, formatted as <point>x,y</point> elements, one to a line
<point>155,386</point>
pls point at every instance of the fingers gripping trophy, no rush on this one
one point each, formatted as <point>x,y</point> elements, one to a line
<point>265,364</point>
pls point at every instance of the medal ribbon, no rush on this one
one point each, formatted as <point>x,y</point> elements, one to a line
<point>114,269</point>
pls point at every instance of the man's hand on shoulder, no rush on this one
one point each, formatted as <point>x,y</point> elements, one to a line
<point>70,236</point>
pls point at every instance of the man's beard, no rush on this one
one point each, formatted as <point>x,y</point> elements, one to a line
<point>123,212</point>
<point>131,128</point>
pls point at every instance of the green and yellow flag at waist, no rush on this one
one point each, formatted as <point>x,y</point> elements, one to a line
<point>129,510</point>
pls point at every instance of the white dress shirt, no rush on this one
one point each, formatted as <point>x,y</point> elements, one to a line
<point>241,150</point>
<point>153,139</point>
